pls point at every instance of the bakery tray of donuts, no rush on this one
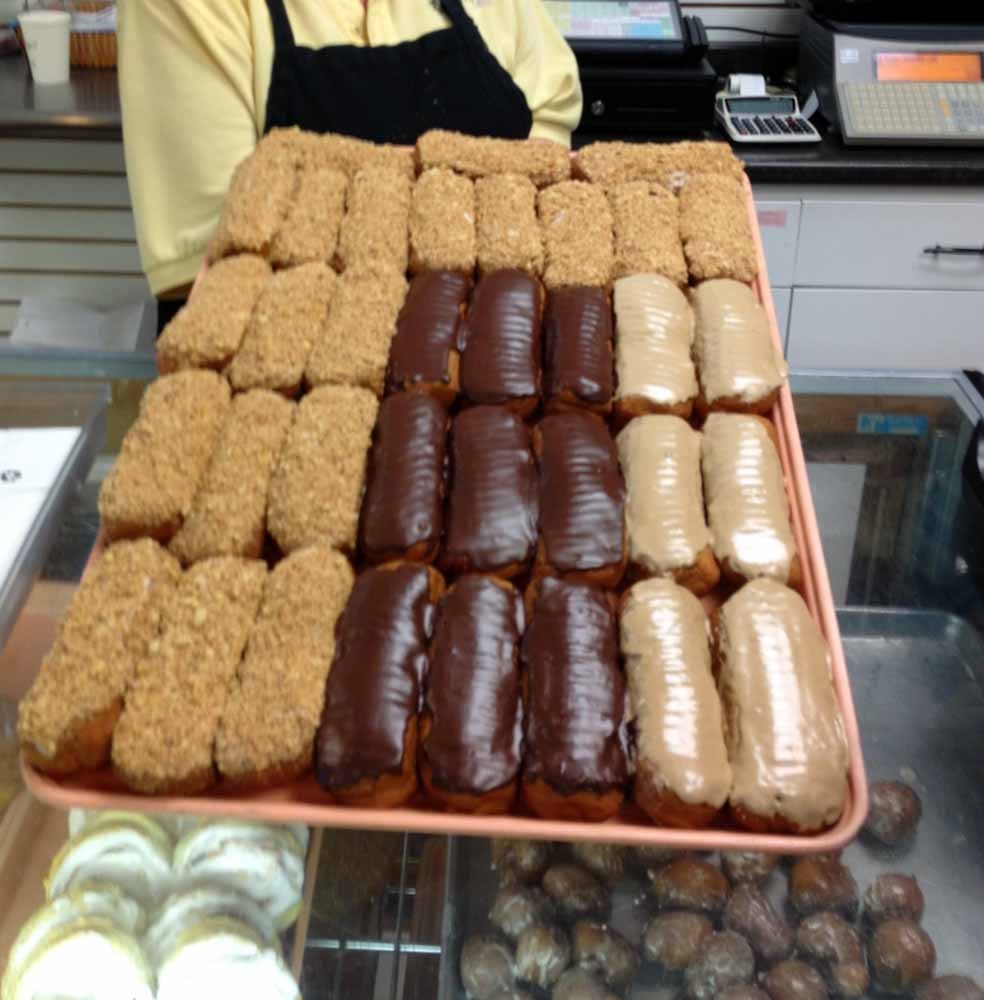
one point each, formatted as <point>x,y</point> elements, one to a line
<point>470,499</point>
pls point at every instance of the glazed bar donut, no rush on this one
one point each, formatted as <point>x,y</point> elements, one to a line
<point>574,698</point>
<point>499,341</point>
<point>582,500</point>
<point>402,511</point>
<point>423,356</point>
<point>654,331</point>
<point>577,350</point>
<point>209,329</point>
<point>490,523</point>
<point>740,368</point>
<point>366,751</point>
<point>783,726</point>
<point>164,455</point>
<point>664,507</point>
<point>471,725</point>
<point>442,222</point>
<point>747,507</point>
<point>682,774</point>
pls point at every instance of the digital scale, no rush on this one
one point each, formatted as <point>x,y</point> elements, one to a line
<point>643,66</point>
<point>887,83</point>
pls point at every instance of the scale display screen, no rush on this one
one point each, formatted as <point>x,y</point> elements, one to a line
<point>928,67</point>
<point>761,105</point>
<point>619,20</point>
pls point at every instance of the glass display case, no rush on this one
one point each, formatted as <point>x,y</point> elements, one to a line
<point>893,464</point>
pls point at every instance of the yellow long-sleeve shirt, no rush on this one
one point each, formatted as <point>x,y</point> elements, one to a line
<point>194,76</point>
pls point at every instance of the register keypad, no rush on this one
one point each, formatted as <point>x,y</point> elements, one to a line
<point>945,110</point>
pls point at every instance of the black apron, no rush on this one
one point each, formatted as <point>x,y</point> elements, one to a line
<point>393,93</point>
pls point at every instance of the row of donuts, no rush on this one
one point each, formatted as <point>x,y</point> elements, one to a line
<point>472,696</point>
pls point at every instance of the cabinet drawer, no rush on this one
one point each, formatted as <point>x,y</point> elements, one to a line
<point>853,328</point>
<point>858,244</point>
<point>779,223</point>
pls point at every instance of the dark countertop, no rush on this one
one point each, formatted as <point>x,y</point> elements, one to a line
<point>88,107</point>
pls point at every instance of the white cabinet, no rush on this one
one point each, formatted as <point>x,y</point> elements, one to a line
<point>855,286</point>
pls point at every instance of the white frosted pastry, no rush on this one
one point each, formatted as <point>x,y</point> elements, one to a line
<point>222,957</point>
<point>265,863</point>
<point>134,855</point>
<point>183,909</point>
<point>88,959</point>
<point>90,899</point>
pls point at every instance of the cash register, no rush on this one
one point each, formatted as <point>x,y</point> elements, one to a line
<point>644,69</point>
<point>897,72</point>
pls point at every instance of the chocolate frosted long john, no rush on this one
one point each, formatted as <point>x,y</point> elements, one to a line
<point>423,354</point>
<point>499,341</point>
<point>577,349</point>
<point>582,500</point>
<point>402,512</point>
<point>366,751</point>
<point>490,525</point>
<point>575,698</point>
<point>471,729</point>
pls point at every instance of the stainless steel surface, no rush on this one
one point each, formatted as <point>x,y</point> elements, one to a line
<point>90,100</point>
<point>918,681</point>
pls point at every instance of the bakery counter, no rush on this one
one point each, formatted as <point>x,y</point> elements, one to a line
<point>900,506</point>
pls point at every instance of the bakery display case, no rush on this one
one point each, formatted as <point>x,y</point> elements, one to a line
<point>892,461</point>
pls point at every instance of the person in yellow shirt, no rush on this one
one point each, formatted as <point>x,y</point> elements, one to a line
<point>202,80</point>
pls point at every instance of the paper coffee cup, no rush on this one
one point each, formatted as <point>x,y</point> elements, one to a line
<point>46,38</point>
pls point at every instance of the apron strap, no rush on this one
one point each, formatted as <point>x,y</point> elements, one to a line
<point>283,36</point>
<point>456,14</point>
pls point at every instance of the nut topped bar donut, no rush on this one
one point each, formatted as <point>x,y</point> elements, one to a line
<point>317,483</point>
<point>423,355</point>
<point>646,218</point>
<point>682,772</point>
<point>342,152</point>
<point>288,320</point>
<point>716,232</point>
<point>574,698</point>
<point>471,726</point>
<point>582,500</point>
<point>309,233</point>
<point>366,750</point>
<point>375,229</point>
<point>577,350</point>
<point>442,222</point>
<point>740,367</point>
<point>542,161</point>
<point>664,507</point>
<point>164,455</point>
<point>668,163</point>
<point>576,222</point>
<point>65,722</point>
<point>490,523</point>
<point>402,511</point>
<point>507,229</point>
<point>163,742</point>
<point>783,726</point>
<point>499,341</point>
<point>654,330</point>
<point>207,332</point>
<point>747,507</point>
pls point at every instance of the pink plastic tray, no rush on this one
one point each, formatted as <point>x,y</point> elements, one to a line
<point>304,802</point>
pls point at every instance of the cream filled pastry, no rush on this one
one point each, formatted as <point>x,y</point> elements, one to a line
<point>266,863</point>
<point>664,509</point>
<point>221,956</point>
<point>740,366</point>
<point>654,330</point>
<point>747,507</point>
<point>783,726</point>
<point>85,959</point>
<point>682,771</point>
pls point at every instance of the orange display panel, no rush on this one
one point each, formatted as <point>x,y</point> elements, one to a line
<point>928,67</point>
